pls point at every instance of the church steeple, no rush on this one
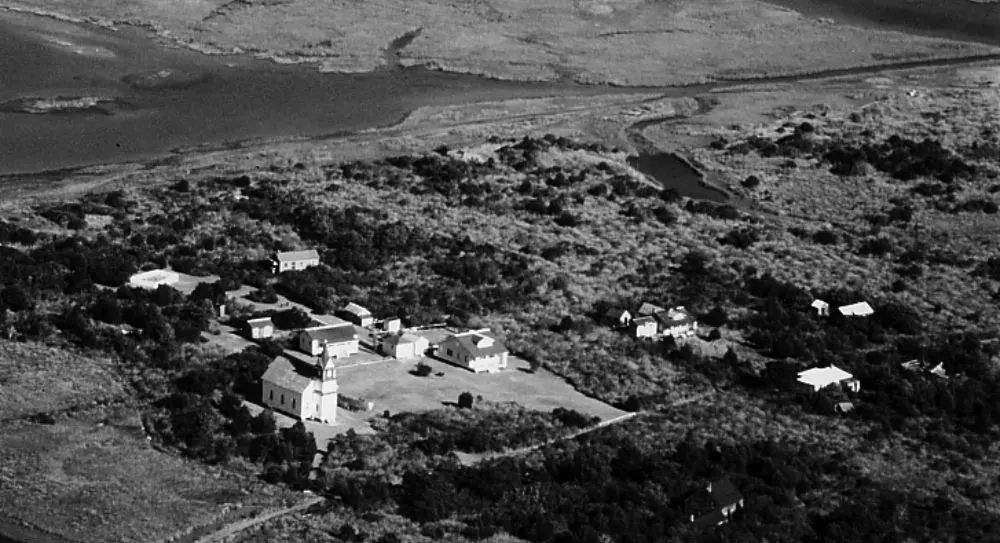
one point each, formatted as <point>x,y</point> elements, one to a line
<point>327,367</point>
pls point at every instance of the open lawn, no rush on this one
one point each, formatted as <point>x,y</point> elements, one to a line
<point>36,378</point>
<point>94,481</point>
<point>391,386</point>
<point>627,42</point>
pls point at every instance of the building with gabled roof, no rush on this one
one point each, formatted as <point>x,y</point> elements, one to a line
<point>261,328</point>
<point>817,379</point>
<point>617,316</point>
<point>676,322</point>
<point>643,327</point>
<point>360,316</point>
<point>342,339</point>
<point>294,260</point>
<point>822,308</point>
<point>648,309</point>
<point>477,350</point>
<point>403,345</point>
<point>305,391</point>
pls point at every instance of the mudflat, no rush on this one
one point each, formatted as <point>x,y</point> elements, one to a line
<point>624,42</point>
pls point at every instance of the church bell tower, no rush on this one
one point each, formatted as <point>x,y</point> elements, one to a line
<point>326,403</point>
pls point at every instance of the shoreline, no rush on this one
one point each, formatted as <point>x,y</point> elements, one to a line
<point>321,64</point>
<point>13,531</point>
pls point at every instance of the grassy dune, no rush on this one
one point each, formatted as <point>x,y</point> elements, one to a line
<point>37,378</point>
<point>94,478</point>
<point>625,42</point>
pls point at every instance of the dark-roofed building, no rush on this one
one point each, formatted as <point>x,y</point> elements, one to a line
<point>342,340</point>
<point>647,309</point>
<point>478,350</point>
<point>294,260</point>
<point>714,504</point>
<point>353,312</point>
<point>260,328</point>
<point>305,391</point>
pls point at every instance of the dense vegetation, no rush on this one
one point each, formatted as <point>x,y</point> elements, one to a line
<point>538,248</point>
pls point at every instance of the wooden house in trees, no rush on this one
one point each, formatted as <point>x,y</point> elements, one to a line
<point>294,260</point>
<point>816,379</point>
<point>676,323</point>
<point>617,317</point>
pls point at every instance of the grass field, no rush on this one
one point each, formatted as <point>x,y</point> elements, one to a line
<point>392,387</point>
<point>94,478</point>
<point>36,378</point>
<point>626,42</point>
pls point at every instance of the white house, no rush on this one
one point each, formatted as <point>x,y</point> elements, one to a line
<point>478,350</point>
<point>353,312</point>
<point>404,345</point>
<point>302,390</point>
<point>817,379</point>
<point>341,339</point>
<point>260,328</point>
<point>294,260</point>
<point>154,278</point>
<point>391,324</point>
<point>860,309</point>
<point>822,308</point>
<point>676,322</point>
<point>643,327</point>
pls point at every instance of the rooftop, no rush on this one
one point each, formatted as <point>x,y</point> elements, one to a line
<point>478,343</point>
<point>261,321</point>
<point>821,377</point>
<point>290,256</point>
<point>337,333</point>
<point>289,375</point>
<point>859,309</point>
<point>356,309</point>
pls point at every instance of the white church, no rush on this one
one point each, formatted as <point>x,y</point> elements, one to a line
<point>305,391</point>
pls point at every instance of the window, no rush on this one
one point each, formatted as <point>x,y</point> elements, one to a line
<point>449,352</point>
<point>272,395</point>
<point>293,403</point>
<point>282,399</point>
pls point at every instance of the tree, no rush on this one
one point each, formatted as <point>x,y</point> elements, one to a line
<point>730,357</point>
<point>422,370</point>
<point>465,400</point>
<point>264,423</point>
<point>751,182</point>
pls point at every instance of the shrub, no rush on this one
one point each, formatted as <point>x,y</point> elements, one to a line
<point>465,400</point>
<point>422,370</point>
<point>751,182</point>
<point>825,237</point>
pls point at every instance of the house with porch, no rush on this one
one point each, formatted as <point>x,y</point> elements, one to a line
<point>294,260</point>
<point>477,350</point>
<point>301,390</point>
<point>341,339</point>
